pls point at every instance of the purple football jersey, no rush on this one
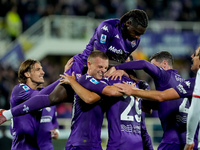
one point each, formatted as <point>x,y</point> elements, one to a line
<point>126,124</point>
<point>171,113</point>
<point>48,122</point>
<point>108,38</point>
<point>87,118</point>
<point>24,128</point>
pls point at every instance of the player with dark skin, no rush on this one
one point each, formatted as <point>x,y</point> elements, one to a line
<point>118,38</point>
<point>133,24</point>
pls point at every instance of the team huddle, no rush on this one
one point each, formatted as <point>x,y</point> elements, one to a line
<point>109,88</point>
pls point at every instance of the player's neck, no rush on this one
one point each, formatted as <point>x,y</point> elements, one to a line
<point>32,85</point>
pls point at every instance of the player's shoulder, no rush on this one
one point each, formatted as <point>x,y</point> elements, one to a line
<point>111,21</point>
<point>108,24</point>
<point>85,77</point>
<point>21,87</point>
<point>90,79</point>
<point>190,81</point>
<point>186,87</point>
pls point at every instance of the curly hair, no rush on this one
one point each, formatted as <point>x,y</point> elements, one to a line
<point>137,17</point>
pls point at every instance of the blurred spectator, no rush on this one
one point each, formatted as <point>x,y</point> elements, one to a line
<point>5,142</point>
<point>13,23</point>
<point>188,12</point>
<point>31,11</point>
<point>64,110</point>
<point>4,97</point>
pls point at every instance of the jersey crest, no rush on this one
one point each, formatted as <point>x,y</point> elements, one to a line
<point>103,38</point>
<point>26,88</point>
<point>94,81</point>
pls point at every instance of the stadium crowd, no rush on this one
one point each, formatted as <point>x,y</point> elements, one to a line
<point>31,11</point>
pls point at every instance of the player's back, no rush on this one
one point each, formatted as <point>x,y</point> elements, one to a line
<point>124,122</point>
<point>171,113</point>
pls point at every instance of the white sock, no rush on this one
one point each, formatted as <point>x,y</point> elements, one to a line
<point>7,114</point>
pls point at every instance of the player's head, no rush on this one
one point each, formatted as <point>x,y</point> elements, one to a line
<point>162,59</point>
<point>196,60</point>
<point>134,24</point>
<point>31,70</point>
<point>97,63</point>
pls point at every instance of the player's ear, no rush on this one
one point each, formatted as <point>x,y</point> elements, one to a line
<point>27,74</point>
<point>128,23</point>
<point>165,64</point>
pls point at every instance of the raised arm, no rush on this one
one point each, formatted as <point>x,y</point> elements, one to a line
<point>149,68</point>
<point>153,95</point>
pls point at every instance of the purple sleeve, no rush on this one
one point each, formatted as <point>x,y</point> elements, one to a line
<point>92,84</point>
<point>185,89</point>
<point>34,103</point>
<point>47,90</point>
<point>103,36</point>
<point>149,68</point>
<point>146,139</point>
<point>21,93</point>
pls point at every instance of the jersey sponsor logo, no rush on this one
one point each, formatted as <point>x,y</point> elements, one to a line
<point>179,78</point>
<point>105,28</point>
<point>117,36</point>
<point>113,49</point>
<point>133,43</point>
<point>181,89</point>
<point>94,81</point>
<point>26,108</point>
<point>103,38</point>
<point>26,88</point>
<point>131,128</point>
<point>45,119</point>
<point>182,119</point>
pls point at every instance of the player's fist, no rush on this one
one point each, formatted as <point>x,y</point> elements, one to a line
<point>2,117</point>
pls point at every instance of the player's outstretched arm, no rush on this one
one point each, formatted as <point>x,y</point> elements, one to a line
<point>153,95</point>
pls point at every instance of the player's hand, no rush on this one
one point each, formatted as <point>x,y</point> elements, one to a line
<point>111,70</point>
<point>116,74</point>
<point>54,133</point>
<point>189,146</point>
<point>68,64</point>
<point>125,88</point>
<point>66,79</point>
<point>2,117</point>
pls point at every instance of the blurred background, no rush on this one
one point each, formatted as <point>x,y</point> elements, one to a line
<point>52,31</point>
